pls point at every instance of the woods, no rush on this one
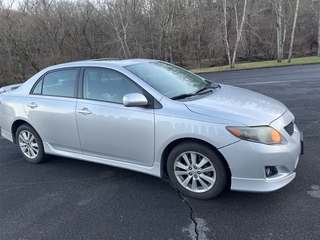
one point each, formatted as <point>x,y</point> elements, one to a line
<point>191,33</point>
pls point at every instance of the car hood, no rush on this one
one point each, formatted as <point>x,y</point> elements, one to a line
<point>238,105</point>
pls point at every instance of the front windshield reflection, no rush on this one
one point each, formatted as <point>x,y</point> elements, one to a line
<point>168,79</point>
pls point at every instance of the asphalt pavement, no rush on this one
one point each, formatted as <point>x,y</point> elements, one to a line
<point>69,199</point>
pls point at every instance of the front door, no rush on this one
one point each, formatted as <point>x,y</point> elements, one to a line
<point>106,127</point>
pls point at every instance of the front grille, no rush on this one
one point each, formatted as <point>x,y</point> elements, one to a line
<point>289,128</point>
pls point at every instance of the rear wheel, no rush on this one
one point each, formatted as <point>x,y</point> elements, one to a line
<point>30,144</point>
<point>196,170</point>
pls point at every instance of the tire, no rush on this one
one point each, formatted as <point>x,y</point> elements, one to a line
<point>197,171</point>
<point>30,144</point>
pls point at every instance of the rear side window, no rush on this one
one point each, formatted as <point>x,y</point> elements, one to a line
<point>38,87</point>
<point>60,83</point>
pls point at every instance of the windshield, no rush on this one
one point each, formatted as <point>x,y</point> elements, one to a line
<point>168,79</point>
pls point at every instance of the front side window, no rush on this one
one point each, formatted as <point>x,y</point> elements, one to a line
<point>58,83</point>
<point>107,85</point>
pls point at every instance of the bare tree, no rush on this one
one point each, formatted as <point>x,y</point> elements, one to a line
<point>163,14</point>
<point>316,8</point>
<point>318,29</point>
<point>278,6</point>
<point>293,30</point>
<point>119,13</point>
<point>238,27</point>
<point>189,32</point>
<point>46,8</point>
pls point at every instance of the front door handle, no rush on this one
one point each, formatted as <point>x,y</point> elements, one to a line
<point>84,111</point>
<point>32,105</point>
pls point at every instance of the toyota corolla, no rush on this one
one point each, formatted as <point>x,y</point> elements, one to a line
<point>156,118</point>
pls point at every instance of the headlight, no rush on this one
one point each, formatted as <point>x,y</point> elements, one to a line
<point>261,134</point>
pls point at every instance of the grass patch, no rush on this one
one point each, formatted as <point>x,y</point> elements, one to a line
<point>263,64</point>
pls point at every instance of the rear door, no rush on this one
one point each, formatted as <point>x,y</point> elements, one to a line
<point>51,109</point>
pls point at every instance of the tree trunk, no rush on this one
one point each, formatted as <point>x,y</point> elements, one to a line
<point>284,35</point>
<point>226,32</point>
<point>199,50</point>
<point>318,29</point>
<point>293,29</point>
<point>48,25</point>
<point>279,30</point>
<point>239,31</point>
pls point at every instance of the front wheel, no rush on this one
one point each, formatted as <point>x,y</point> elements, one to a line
<point>30,144</point>
<point>196,170</point>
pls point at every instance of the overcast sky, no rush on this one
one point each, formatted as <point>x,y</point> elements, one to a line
<point>15,5</point>
<point>7,3</point>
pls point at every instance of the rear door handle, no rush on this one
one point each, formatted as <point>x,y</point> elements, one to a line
<point>84,111</point>
<point>32,105</point>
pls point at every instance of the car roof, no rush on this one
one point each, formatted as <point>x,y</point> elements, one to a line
<point>105,62</point>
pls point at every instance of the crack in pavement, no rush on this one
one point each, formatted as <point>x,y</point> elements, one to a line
<point>198,227</point>
<point>191,217</point>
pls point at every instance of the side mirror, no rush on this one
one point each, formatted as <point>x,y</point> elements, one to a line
<point>134,100</point>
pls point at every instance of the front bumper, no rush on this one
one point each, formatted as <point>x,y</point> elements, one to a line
<point>248,167</point>
<point>302,143</point>
<point>249,161</point>
<point>260,185</point>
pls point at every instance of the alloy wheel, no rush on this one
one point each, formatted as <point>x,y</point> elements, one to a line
<point>28,144</point>
<point>194,171</point>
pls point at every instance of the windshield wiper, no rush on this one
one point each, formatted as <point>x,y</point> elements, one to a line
<point>203,90</point>
<point>199,92</point>
<point>181,96</point>
<point>208,88</point>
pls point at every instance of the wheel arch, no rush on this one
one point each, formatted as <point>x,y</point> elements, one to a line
<point>170,146</point>
<point>16,124</point>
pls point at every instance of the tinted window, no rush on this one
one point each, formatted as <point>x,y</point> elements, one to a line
<point>107,85</point>
<point>57,83</point>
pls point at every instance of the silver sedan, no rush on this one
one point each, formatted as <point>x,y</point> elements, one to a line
<point>156,118</point>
